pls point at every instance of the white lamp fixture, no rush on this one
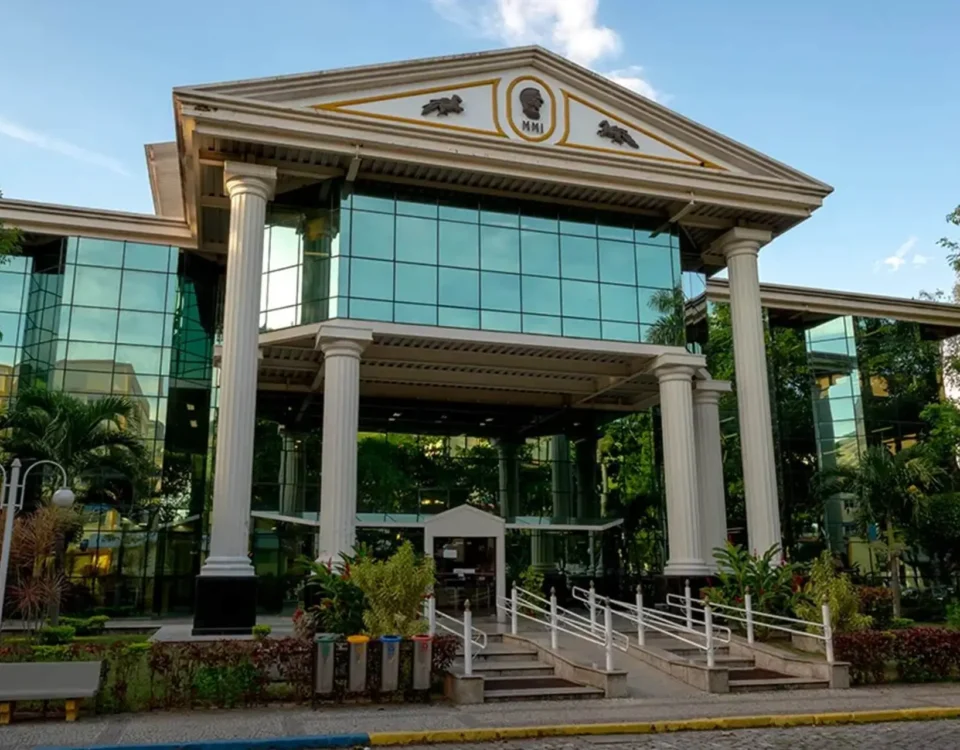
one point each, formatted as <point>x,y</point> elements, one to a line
<point>64,497</point>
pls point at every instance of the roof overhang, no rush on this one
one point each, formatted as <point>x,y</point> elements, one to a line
<point>273,122</point>
<point>467,366</point>
<point>65,221</point>
<point>806,307</point>
<point>420,520</point>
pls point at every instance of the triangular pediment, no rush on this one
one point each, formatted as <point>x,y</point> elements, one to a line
<point>525,95</point>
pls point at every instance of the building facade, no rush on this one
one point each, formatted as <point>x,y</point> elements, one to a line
<point>499,249</point>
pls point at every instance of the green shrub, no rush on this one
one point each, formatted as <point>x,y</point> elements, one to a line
<point>877,603</point>
<point>838,591</point>
<point>395,589</point>
<point>953,615</point>
<point>770,582</point>
<point>531,580</point>
<point>51,653</point>
<point>867,652</point>
<point>86,626</point>
<point>339,601</point>
<point>261,631</point>
<point>901,623</point>
<point>51,635</point>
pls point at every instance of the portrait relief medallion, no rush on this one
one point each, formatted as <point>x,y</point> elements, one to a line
<point>531,108</point>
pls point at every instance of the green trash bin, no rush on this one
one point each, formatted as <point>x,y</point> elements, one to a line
<point>326,648</point>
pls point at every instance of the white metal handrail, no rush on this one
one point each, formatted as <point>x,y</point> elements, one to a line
<point>665,623</point>
<point>558,620</point>
<point>470,637</point>
<point>752,618</point>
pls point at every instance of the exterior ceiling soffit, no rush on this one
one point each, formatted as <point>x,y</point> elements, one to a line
<point>273,125</point>
<point>478,65</point>
<point>831,302</point>
<point>45,218</point>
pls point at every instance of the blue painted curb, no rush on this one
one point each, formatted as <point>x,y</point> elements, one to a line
<point>274,743</point>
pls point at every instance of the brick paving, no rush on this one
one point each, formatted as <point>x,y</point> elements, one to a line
<point>160,727</point>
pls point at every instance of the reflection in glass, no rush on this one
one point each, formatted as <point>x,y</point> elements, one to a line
<point>372,235</point>
<point>149,257</point>
<point>581,299</point>
<point>578,258</point>
<point>140,328</point>
<point>499,321</point>
<point>416,240</point>
<point>541,295</point>
<point>455,317</point>
<point>654,267</point>
<point>416,283</point>
<point>620,331</point>
<point>618,303</point>
<point>363,309</point>
<point>372,279</point>
<point>93,324</point>
<point>104,252</point>
<point>419,314</point>
<point>499,249</point>
<point>459,287</point>
<point>587,329</point>
<point>97,287</point>
<point>540,253</point>
<point>542,324</point>
<point>144,291</point>
<point>459,245</point>
<point>500,291</point>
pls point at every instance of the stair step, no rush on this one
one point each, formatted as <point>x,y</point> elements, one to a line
<point>510,668</point>
<point>537,694</point>
<point>730,662</point>
<point>502,654</point>
<point>777,683</point>
<point>691,653</point>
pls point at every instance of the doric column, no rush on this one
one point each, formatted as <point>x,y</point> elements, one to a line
<point>226,589</point>
<point>740,247</point>
<point>341,348</point>
<point>290,472</point>
<point>706,425</point>
<point>675,373</point>
<point>509,470</point>
<point>560,485</point>
<point>585,454</point>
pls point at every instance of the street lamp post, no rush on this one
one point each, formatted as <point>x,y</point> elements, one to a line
<point>11,498</point>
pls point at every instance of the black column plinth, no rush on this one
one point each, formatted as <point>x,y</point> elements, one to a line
<point>225,605</point>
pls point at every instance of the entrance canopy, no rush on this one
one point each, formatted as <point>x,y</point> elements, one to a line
<point>459,380</point>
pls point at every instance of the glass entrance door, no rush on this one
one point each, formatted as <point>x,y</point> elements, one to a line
<point>466,569</point>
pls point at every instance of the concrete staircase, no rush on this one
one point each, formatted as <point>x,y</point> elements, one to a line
<point>745,676</point>
<point>513,672</point>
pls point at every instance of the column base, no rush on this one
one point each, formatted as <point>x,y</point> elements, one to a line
<point>225,605</point>
<point>689,568</point>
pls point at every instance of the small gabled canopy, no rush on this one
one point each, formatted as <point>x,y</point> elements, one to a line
<point>521,122</point>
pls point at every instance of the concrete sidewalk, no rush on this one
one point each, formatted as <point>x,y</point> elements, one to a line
<point>290,722</point>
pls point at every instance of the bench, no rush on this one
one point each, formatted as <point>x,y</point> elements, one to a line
<point>70,681</point>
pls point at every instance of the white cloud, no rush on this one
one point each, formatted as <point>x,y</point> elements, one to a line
<point>570,27</point>
<point>919,260</point>
<point>899,257</point>
<point>49,143</point>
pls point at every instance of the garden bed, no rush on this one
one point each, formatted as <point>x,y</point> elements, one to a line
<point>924,654</point>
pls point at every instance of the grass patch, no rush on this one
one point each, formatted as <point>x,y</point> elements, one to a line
<point>105,639</point>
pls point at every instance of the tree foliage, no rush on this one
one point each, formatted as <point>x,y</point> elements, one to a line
<point>11,241</point>
<point>395,589</point>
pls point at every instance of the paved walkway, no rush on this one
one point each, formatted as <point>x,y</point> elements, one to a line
<point>286,722</point>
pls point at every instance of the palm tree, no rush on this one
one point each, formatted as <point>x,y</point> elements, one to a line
<point>890,490</point>
<point>670,329</point>
<point>90,439</point>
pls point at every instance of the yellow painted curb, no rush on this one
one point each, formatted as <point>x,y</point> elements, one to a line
<point>437,736</point>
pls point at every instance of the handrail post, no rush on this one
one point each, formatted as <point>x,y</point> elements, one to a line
<point>553,618</point>
<point>431,615</point>
<point>608,636</point>
<point>827,631</point>
<point>467,639</point>
<point>708,626</point>
<point>748,605</point>
<point>689,604</point>
<point>513,609</point>
<point>641,635</point>
<point>592,599</point>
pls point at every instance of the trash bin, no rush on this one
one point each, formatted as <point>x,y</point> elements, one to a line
<point>357,678</point>
<point>422,661</point>
<point>323,677</point>
<point>390,663</point>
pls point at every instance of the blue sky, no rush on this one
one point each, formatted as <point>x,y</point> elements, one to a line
<point>862,94</point>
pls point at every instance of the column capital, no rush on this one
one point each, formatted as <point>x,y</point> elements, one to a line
<point>740,240</point>
<point>677,366</point>
<point>241,177</point>
<point>343,340</point>
<point>710,391</point>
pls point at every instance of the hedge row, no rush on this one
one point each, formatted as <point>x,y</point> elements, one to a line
<point>917,655</point>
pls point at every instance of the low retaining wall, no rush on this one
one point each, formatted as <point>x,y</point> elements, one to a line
<point>613,684</point>
<point>794,665</point>
<point>463,690</point>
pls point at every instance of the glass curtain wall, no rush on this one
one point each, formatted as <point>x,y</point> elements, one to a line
<point>470,262</point>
